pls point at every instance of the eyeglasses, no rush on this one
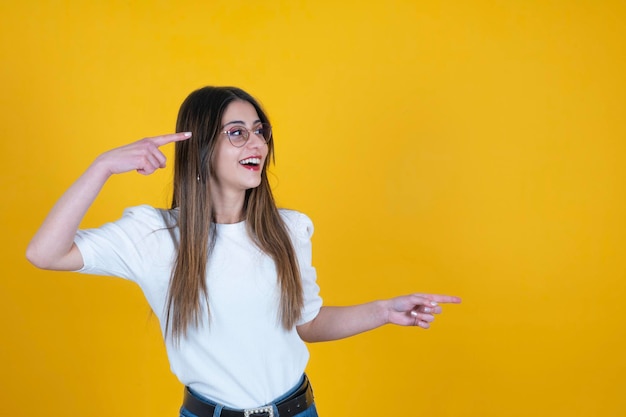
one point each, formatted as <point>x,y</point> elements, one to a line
<point>239,135</point>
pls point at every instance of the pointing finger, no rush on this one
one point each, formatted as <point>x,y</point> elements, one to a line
<point>438,298</point>
<point>174,137</point>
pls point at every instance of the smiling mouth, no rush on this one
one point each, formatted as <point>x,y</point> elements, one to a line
<point>251,162</point>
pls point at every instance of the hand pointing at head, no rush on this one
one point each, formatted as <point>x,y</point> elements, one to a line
<point>143,156</point>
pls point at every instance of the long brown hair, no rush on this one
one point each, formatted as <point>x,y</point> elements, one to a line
<point>201,113</point>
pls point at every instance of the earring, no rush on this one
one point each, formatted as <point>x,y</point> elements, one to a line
<point>198,178</point>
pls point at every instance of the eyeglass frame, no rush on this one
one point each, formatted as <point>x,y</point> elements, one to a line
<point>249,132</point>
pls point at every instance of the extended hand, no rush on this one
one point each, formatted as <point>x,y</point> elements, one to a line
<point>417,309</point>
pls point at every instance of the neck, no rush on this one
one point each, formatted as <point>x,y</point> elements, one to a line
<point>228,209</point>
<point>227,218</point>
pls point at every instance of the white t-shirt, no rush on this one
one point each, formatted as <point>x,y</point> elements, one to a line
<point>242,356</point>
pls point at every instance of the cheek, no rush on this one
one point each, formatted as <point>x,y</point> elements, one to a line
<point>222,156</point>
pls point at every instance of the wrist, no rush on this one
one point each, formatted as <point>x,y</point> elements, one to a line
<point>100,169</point>
<point>382,311</point>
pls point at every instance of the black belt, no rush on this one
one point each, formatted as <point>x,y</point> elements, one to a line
<point>290,406</point>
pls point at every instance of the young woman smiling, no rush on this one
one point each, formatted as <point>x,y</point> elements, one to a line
<point>227,273</point>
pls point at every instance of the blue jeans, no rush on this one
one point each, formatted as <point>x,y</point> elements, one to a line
<point>309,412</point>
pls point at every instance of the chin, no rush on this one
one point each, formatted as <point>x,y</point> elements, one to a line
<point>253,186</point>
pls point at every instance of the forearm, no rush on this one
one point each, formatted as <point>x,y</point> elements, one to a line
<point>52,245</point>
<point>334,323</point>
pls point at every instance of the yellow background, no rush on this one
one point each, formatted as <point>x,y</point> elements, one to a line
<point>471,148</point>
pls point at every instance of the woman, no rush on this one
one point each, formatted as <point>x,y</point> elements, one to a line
<point>228,274</point>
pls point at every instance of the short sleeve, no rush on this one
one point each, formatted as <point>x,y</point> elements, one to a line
<point>301,229</point>
<point>124,248</point>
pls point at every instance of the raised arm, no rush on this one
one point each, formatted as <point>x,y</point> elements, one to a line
<point>53,247</point>
<point>334,323</point>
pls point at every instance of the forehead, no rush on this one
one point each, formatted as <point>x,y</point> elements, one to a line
<point>240,111</point>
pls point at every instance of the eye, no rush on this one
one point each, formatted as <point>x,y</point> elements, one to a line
<point>263,130</point>
<point>236,132</point>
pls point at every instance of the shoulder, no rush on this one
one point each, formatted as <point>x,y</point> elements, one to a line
<point>151,216</point>
<point>299,224</point>
<point>146,211</point>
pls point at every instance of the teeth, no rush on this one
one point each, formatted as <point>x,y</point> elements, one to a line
<point>250,161</point>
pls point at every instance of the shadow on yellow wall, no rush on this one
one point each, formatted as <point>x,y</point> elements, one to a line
<point>477,150</point>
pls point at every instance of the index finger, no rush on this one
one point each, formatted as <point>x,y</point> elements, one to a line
<point>173,137</point>
<point>440,298</point>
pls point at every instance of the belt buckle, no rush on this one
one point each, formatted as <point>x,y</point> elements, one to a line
<point>253,411</point>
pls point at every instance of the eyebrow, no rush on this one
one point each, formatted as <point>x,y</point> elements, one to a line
<point>240,122</point>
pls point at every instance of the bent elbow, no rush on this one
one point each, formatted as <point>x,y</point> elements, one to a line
<point>306,334</point>
<point>41,259</point>
<point>34,257</point>
<point>50,258</point>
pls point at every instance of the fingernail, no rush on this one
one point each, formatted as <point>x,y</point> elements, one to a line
<point>413,313</point>
<point>433,303</point>
<point>187,134</point>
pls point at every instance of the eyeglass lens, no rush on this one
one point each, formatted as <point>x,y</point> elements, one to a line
<point>239,135</point>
